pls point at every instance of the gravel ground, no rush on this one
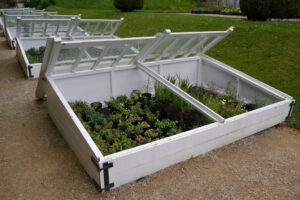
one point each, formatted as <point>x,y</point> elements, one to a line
<point>36,162</point>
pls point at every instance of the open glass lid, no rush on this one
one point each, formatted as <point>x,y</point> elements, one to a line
<point>73,58</point>
<point>169,46</point>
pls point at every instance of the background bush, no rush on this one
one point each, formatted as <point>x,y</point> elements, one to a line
<point>39,4</point>
<point>11,3</point>
<point>266,9</point>
<point>128,5</point>
<point>284,8</point>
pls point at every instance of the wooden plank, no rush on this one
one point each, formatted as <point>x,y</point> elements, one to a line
<point>99,59</point>
<point>77,61</point>
<point>95,29</point>
<point>117,26</point>
<point>173,43</point>
<point>104,42</point>
<point>9,38</point>
<point>195,47</point>
<point>50,57</point>
<point>22,56</point>
<point>126,47</point>
<point>246,78</point>
<point>73,131</point>
<point>135,163</point>
<point>186,44</point>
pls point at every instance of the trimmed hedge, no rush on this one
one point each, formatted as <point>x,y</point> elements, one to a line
<point>267,9</point>
<point>129,5</point>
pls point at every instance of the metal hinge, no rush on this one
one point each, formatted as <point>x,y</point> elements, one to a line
<point>291,109</point>
<point>29,71</point>
<point>105,170</point>
<point>13,44</point>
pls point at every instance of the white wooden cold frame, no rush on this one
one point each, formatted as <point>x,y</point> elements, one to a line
<point>16,11</point>
<point>10,30</point>
<point>13,19</point>
<point>11,10</point>
<point>95,83</point>
<point>68,29</point>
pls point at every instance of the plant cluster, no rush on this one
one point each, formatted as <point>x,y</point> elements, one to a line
<point>126,122</point>
<point>218,7</point>
<point>267,9</point>
<point>131,121</point>
<point>225,105</point>
<point>35,55</point>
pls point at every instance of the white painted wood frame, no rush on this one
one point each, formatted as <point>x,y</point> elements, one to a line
<point>95,83</point>
<point>30,39</point>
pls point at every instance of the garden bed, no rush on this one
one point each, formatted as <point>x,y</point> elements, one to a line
<point>141,118</point>
<point>216,12</point>
<point>122,150</point>
<point>131,121</point>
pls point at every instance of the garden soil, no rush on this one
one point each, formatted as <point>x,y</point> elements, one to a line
<point>36,162</point>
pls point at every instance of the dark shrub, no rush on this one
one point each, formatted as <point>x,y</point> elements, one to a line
<point>43,4</point>
<point>39,4</point>
<point>266,9</point>
<point>32,3</point>
<point>128,5</point>
<point>256,9</point>
<point>139,4</point>
<point>11,3</point>
<point>284,8</point>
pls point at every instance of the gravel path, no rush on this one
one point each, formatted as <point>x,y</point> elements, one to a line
<point>36,162</point>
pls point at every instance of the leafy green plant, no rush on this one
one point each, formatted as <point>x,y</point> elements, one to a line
<point>150,117</point>
<point>116,117</point>
<point>153,133</point>
<point>86,113</point>
<point>173,131</point>
<point>35,55</point>
<point>165,124</point>
<point>96,106</point>
<point>114,105</point>
<point>137,109</point>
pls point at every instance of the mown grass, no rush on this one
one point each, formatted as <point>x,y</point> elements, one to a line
<point>178,5</point>
<point>268,51</point>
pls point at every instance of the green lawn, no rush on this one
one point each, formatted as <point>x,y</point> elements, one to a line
<point>268,51</point>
